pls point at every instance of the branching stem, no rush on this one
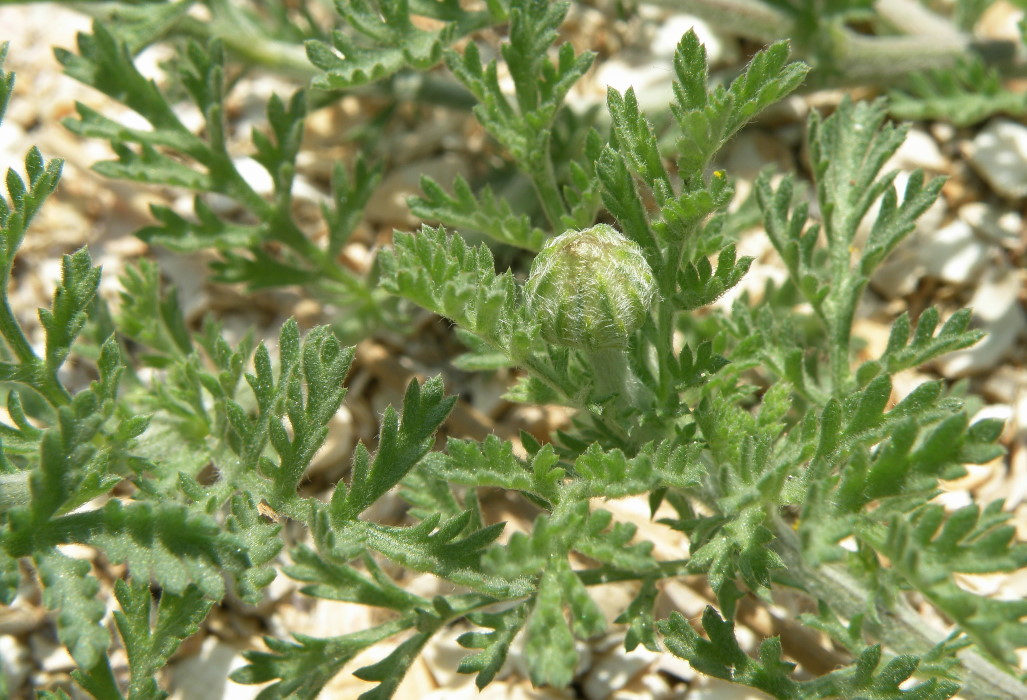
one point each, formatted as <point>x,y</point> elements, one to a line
<point>899,627</point>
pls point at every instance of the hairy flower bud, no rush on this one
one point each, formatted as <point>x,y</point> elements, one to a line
<point>590,289</point>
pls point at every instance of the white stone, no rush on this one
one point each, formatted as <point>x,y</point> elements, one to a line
<point>320,617</point>
<point>205,676</point>
<point>997,310</point>
<point>649,686</point>
<point>953,500</point>
<point>991,223</point>
<point>255,176</point>
<point>620,74</point>
<point>669,33</point>
<point>15,660</point>
<point>675,666</point>
<point>999,154</point>
<point>1000,411</point>
<point>955,254</point>
<point>615,670</point>
<point>335,454</point>
<point>52,657</point>
<point>918,150</point>
<point>442,656</point>
<point>462,693</point>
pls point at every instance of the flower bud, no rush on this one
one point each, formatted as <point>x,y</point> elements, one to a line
<point>590,289</point>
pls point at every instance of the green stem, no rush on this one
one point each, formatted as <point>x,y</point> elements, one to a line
<point>609,574</point>
<point>540,167</point>
<point>41,379</point>
<point>613,379</point>
<point>840,331</point>
<point>668,282</point>
<point>611,374</point>
<point>10,329</point>
<point>859,58</point>
<point>900,628</point>
<point>255,49</point>
<point>748,18</point>
<point>14,490</point>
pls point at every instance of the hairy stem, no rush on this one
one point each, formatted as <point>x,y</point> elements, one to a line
<point>899,628</point>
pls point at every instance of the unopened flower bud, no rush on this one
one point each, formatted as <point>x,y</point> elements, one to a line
<point>590,289</point>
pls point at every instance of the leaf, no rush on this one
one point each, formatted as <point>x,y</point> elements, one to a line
<point>150,646</point>
<point>551,537</point>
<point>611,475</point>
<point>524,125</point>
<point>903,352</point>
<point>613,546</point>
<point>621,198</point>
<point>637,141</point>
<point>700,285</point>
<point>402,443</point>
<point>548,643</point>
<point>964,94</point>
<point>494,645</point>
<point>350,195</point>
<point>70,590</point>
<point>640,619</point>
<point>181,235</point>
<point>708,118</point>
<point>390,671</point>
<point>326,579</point>
<point>492,463</point>
<point>470,212</point>
<point>848,149</point>
<point>383,41</point>
<point>927,548</point>
<point>722,657</point>
<point>303,667</point>
<point>150,317</point>
<point>165,541</point>
<point>442,274</point>
<point>261,541</point>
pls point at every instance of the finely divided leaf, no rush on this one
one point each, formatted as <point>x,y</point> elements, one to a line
<point>469,212</point>
<point>494,645</point>
<point>70,590</point>
<point>708,118</point>
<point>149,646</point>
<point>381,40</point>
<point>402,443</point>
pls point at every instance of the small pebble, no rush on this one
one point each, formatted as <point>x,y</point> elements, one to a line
<point>955,254</point>
<point>999,154</point>
<point>998,311</point>
<point>995,225</point>
<point>615,670</point>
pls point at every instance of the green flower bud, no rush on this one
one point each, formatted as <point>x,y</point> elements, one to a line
<point>590,289</point>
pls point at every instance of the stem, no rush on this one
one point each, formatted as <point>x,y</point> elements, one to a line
<point>859,58</point>
<point>40,378</point>
<point>256,49</point>
<point>611,375</point>
<point>748,18</point>
<point>900,628</point>
<point>608,574</point>
<point>12,333</point>
<point>540,166</point>
<point>14,490</point>
<point>840,330</point>
<point>667,282</point>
